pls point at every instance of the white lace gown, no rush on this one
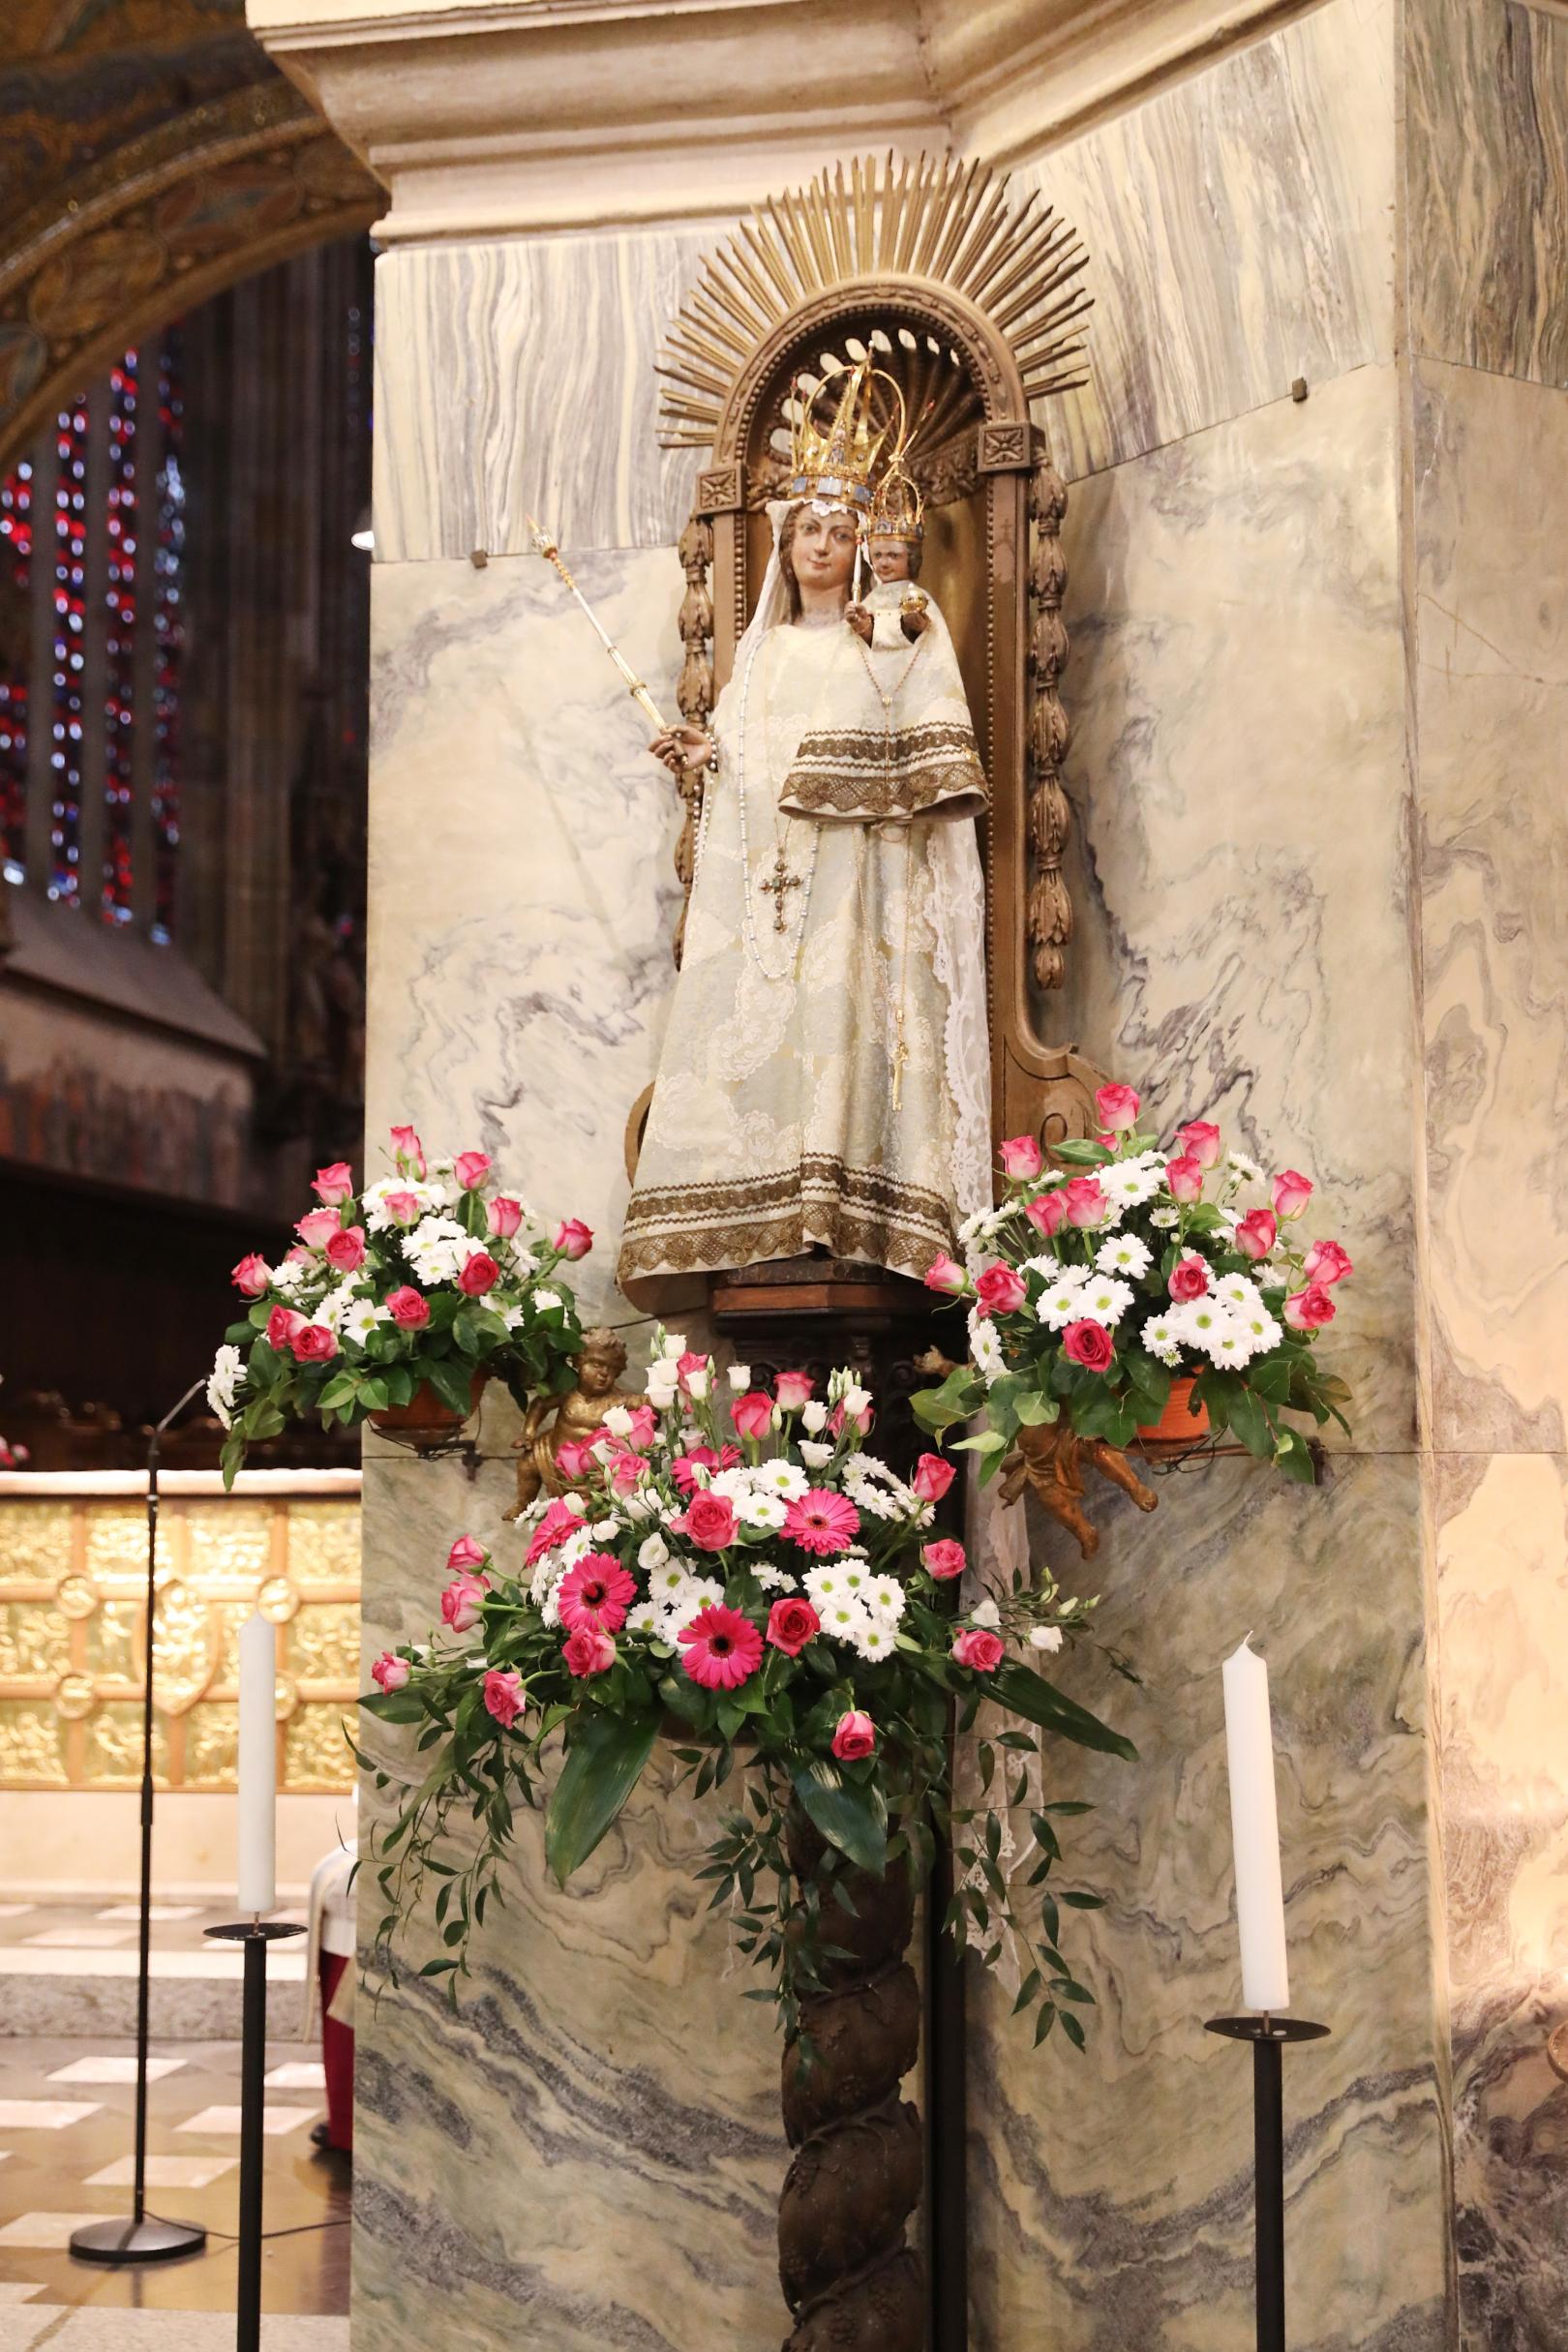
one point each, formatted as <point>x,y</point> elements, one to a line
<point>828,1081</point>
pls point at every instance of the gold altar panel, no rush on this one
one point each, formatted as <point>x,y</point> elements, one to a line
<point>73,1578</point>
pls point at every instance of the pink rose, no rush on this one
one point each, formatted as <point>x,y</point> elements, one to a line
<point>471,1168</point>
<point>462,1601</point>
<point>1292,1191</point>
<point>855,1737</point>
<point>299,1255</point>
<point>791,1625</point>
<point>933,1477</point>
<point>1256,1234</point>
<point>589,1653</point>
<point>1117,1107</point>
<point>409,1309</point>
<point>317,1228</point>
<point>1326,1263</point>
<point>644,1427</point>
<point>710,1521</point>
<point>793,1389</point>
<point>626,1472</point>
<point>335,1185</point>
<point>1084,1202</point>
<point>315,1344</point>
<point>863,1421</point>
<point>390,1672</point>
<point>1021,1156</point>
<point>1046,1213</point>
<point>283,1325</point>
<point>345,1249</point>
<point>1188,1279</point>
<point>685,1467</point>
<point>411,1152</point>
<point>466,1553</point>
<point>1200,1140</point>
<point>479,1274</point>
<point>503,1697</point>
<point>945,1274</point>
<point>753,1413</point>
<point>978,1648</point>
<point>404,1208</point>
<point>1185,1178</point>
<point>575,1459</point>
<point>505,1215</point>
<point>573,1238</point>
<point>999,1290</point>
<point>1310,1310</point>
<point>252,1276</point>
<point>1089,1343</point>
<point>691,1362</point>
<point>943,1558</point>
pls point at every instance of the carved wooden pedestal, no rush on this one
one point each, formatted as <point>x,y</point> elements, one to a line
<point>850,2279</point>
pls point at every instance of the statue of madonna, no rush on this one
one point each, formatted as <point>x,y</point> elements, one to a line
<point>824,1077</point>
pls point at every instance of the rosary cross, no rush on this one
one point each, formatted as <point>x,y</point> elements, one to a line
<point>782,881</point>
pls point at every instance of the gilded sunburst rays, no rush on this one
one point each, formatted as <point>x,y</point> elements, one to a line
<point>947,223</point>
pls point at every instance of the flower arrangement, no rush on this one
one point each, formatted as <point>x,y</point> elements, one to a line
<point>14,1456</point>
<point>771,1592</point>
<point>1096,1285</point>
<point>428,1278</point>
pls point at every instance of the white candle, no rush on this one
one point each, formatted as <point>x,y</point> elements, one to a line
<point>1254,1829</point>
<point>257,1765</point>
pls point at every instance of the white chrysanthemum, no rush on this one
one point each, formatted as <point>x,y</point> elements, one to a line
<point>815,1455</point>
<point>844,1619</point>
<point>983,1223</point>
<point>693,1594</point>
<point>1128,1184</point>
<point>1161,1339</point>
<point>773,1580</point>
<point>292,1275</point>
<point>373,1200</point>
<point>1124,1255</point>
<point>643,1618</point>
<point>1244,1166</point>
<point>362,1318</point>
<point>524,1265</point>
<point>1106,1299</point>
<point>512,1316</point>
<point>545,1299</point>
<point>766,1511</point>
<point>1165,1218</point>
<point>733,1483</point>
<point>1237,1292</point>
<point>437,1249</point>
<point>1265,1332</point>
<point>886,1598</point>
<point>1194,1320</point>
<point>986,1346</point>
<point>781,1477</point>
<point>1061,1302</point>
<point>1230,1344</point>
<point>825,1584</point>
<point>228,1372</point>
<point>871,1640</point>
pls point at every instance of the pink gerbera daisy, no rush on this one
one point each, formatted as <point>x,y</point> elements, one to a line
<point>821,1523</point>
<point>558,1522</point>
<point>722,1647</point>
<point>595,1595</point>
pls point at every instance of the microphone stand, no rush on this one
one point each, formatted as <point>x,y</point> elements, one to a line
<point>144,2238</point>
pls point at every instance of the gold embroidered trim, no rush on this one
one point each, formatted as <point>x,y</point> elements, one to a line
<point>853,1212</point>
<point>858,772</point>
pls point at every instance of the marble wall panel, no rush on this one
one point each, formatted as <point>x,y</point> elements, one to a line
<point>1502,1615</point>
<point>1491,470</point>
<point>1240,228</point>
<point>1486,106</point>
<point>582,2155</point>
<point>517,378</point>
<point>522,890</point>
<point>1238,779</point>
<point>1111,2194</point>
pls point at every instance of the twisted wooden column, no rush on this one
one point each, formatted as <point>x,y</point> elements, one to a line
<point>1050,908</point>
<point>694,691</point>
<point>851,2281</point>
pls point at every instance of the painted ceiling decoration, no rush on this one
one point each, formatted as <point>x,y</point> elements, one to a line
<point>153,156</point>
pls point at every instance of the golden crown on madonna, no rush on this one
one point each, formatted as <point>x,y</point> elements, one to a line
<point>837,458</point>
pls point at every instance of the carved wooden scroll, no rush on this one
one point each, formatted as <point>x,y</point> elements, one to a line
<point>694,690</point>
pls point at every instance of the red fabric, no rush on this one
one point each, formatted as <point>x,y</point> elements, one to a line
<point>337,2056</point>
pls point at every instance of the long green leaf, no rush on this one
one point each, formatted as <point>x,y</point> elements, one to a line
<point>850,1814</point>
<point>603,1767</point>
<point>1039,1701</point>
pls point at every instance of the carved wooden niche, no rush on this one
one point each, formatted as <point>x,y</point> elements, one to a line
<point>973,301</point>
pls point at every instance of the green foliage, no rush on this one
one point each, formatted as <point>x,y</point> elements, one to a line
<point>604,1763</point>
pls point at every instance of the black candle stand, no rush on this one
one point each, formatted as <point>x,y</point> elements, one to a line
<point>252,1935</point>
<point>1268,2036</point>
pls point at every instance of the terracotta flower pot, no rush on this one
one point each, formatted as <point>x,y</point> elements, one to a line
<point>1178,1420</point>
<point>426,1420</point>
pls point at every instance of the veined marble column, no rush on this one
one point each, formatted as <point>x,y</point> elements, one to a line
<point>1317,610</point>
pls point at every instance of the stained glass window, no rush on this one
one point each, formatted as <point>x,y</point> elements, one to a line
<point>17,575</point>
<point>70,652</point>
<point>122,557</point>
<point>169,632</point>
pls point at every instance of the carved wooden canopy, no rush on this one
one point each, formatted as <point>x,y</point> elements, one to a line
<point>973,302</point>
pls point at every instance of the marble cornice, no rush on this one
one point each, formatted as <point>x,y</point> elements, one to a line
<point>489,117</point>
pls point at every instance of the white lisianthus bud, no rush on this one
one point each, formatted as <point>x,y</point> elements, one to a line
<point>604,1528</point>
<point>661,1393</point>
<point>697,1385</point>
<point>814,1416</point>
<point>986,1613</point>
<point>1045,1637</point>
<point>815,1457</point>
<point>618,1421</point>
<point>673,1346</point>
<point>855,1402</point>
<point>739,1378</point>
<point>637,1506</point>
<point>653,1553</point>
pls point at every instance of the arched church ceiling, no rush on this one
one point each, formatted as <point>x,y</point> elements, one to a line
<point>153,155</point>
